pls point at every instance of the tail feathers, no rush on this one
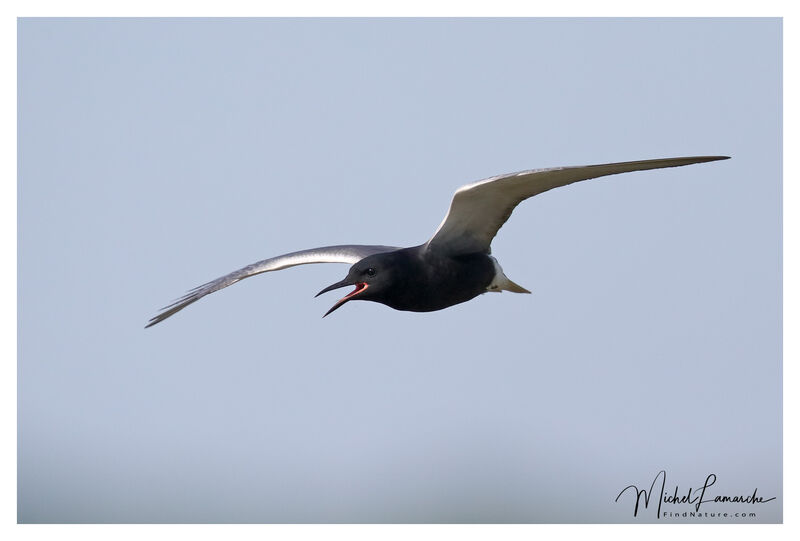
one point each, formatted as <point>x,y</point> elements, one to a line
<point>501,281</point>
<point>511,286</point>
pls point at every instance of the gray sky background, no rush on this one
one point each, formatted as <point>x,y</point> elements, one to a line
<point>155,155</point>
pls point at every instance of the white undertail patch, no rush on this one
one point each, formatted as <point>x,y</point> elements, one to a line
<point>500,282</point>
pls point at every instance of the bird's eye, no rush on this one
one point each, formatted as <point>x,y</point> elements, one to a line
<point>370,271</point>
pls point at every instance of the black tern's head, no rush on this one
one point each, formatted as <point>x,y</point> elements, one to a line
<point>371,276</point>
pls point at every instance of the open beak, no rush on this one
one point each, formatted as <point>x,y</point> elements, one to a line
<point>360,287</point>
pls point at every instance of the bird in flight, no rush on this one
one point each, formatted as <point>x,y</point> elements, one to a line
<point>454,265</point>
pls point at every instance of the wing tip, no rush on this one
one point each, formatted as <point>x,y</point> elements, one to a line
<point>712,158</point>
<point>154,320</point>
<point>158,319</point>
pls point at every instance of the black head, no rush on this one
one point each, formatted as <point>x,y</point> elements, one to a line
<point>372,277</point>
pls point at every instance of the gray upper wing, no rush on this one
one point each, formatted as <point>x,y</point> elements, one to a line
<point>480,209</point>
<point>346,253</point>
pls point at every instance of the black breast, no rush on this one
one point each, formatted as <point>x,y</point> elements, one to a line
<point>426,281</point>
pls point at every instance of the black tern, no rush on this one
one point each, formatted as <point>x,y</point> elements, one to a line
<point>455,265</point>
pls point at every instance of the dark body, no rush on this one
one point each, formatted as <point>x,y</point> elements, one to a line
<point>421,279</point>
<point>433,282</point>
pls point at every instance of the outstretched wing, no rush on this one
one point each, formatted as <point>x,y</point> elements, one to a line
<point>347,253</point>
<point>480,209</point>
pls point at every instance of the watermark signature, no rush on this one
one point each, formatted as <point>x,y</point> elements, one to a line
<point>694,497</point>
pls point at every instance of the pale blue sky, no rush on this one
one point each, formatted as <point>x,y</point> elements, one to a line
<point>155,155</point>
